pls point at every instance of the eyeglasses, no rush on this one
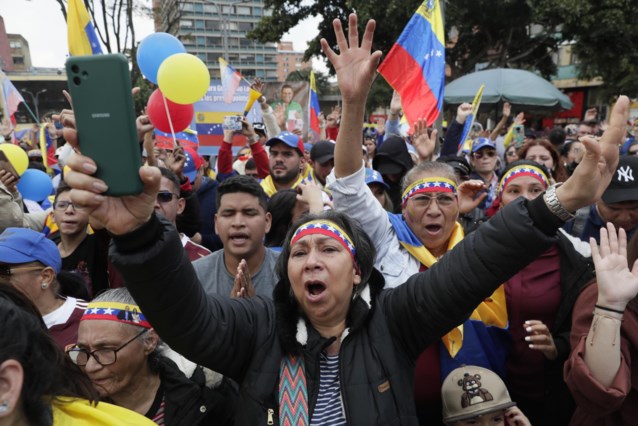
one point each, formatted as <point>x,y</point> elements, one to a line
<point>512,153</point>
<point>7,271</point>
<point>104,357</point>
<point>166,196</point>
<point>480,154</point>
<point>63,205</point>
<point>424,201</point>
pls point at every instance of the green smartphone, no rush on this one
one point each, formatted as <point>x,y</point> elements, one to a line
<point>100,87</point>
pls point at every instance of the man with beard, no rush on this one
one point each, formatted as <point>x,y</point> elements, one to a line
<point>286,163</point>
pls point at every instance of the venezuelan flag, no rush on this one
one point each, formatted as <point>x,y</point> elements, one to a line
<point>415,66</point>
<point>231,79</point>
<point>187,138</point>
<point>314,104</point>
<point>47,148</point>
<point>81,33</point>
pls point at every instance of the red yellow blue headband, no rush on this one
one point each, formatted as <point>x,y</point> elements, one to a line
<point>329,229</point>
<point>113,311</point>
<point>523,170</point>
<point>434,184</point>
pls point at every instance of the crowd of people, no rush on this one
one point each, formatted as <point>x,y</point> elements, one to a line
<point>370,277</point>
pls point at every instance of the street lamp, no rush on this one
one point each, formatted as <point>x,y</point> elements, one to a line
<point>34,98</point>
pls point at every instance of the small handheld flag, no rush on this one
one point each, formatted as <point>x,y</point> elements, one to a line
<point>469,121</point>
<point>231,79</point>
<point>314,107</point>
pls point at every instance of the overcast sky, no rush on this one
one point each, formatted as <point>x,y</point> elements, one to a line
<point>41,23</point>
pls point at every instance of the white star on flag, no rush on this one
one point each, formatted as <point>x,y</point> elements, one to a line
<point>108,311</point>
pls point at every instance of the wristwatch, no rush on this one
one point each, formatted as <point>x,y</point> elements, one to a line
<point>555,206</point>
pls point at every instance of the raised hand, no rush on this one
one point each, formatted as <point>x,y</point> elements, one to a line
<point>540,339</point>
<point>462,112</point>
<point>591,114</point>
<point>395,104</point>
<point>520,118</point>
<point>593,174</point>
<point>258,85</point>
<point>119,215</point>
<point>176,161</point>
<point>470,196</point>
<point>143,125</point>
<point>6,128</point>
<point>507,109</point>
<point>334,117</point>
<point>617,285</point>
<point>423,142</point>
<point>355,65</point>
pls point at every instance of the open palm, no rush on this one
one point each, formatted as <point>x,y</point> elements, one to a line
<point>617,285</point>
<point>355,65</point>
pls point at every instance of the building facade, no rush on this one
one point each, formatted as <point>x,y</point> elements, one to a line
<point>213,29</point>
<point>289,60</point>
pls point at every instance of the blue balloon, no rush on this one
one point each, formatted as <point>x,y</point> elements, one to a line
<point>153,50</point>
<point>35,185</point>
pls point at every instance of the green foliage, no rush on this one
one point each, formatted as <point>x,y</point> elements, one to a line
<point>494,32</point>
<point>605,35</point>
<point>146,88</point>
<point>304,75</point>
<point>380,95</point>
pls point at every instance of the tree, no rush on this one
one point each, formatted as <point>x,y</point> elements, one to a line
<point>604,36</point>
<point>495,33</point>
<point>113,21</point>
<point>304,75</point>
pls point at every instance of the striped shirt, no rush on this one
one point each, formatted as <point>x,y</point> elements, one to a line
<point>329,409</point>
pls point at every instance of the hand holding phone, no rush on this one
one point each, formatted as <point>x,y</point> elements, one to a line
<point>100,86</point>
<point>232,122</point>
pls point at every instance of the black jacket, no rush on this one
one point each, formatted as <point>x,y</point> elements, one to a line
<point>387,330</point>
<point>192,401</point>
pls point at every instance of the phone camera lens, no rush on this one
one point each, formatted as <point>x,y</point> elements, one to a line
<point>77,81</point>
<point>75,68</point>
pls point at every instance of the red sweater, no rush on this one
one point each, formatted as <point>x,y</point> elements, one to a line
<point>225,159</point>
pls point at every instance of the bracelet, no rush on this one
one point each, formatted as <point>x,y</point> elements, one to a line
<point>7,138</point>
<point>609,309</point>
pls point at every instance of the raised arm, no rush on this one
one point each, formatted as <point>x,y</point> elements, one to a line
<point>507,109</point>
<point>617,285</point>
<point>356,68</point>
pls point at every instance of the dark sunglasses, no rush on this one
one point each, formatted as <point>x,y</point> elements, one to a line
<point>480,154</point>
<point>165,196</point>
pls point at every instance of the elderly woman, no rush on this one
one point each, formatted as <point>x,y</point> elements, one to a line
<point>332,342</point>
<point>40,386</point>
<point>540,299</point>
<point>118,350</point>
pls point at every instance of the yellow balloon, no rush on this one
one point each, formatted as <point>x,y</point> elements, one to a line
<point>183,78</point>
<point>16,156</point>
